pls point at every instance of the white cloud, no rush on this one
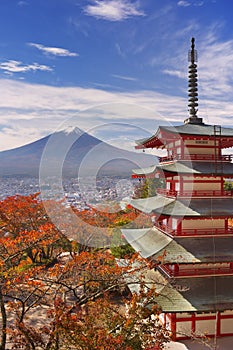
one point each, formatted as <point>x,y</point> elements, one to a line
<point>113,10</point>
<point>175,73</point>
<point>13,66</point>
<point>56,51</point>
<point>123,77</point>
<point>43,108</point>
<point>185,3</point>
<point>216,70</point>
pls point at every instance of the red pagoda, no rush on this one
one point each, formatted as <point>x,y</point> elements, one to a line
<point>191,239</point>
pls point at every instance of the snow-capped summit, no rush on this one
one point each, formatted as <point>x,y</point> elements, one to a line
<point>72,129</point>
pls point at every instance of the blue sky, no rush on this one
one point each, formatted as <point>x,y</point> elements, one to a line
<point>115,68</point>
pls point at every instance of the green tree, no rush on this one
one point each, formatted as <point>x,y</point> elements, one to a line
<point>148,187</point>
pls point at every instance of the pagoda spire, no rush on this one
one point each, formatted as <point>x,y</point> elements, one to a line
<point>193,86</point>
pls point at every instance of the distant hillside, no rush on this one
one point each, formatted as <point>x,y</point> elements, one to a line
<point>85,155</point>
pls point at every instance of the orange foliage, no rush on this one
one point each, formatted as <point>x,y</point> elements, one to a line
<point>79,296</point>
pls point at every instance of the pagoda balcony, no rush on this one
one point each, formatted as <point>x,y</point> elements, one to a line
<point>194,232</point>
<point>196,157</point>
<point>194,193</point>
<point>195,271</point>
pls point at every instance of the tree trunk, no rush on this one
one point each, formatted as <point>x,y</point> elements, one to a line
<point>4,322</point>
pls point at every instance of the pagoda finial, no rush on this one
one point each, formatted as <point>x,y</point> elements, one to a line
<point>193,90</point>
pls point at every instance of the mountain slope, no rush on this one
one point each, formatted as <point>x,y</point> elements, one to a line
<point>76,151</point>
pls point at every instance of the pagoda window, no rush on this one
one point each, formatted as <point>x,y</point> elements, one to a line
<point>188,186</point>
<point>202,184</point>
<point>209,178</point>
<point>173,223</point>
<point>207,223</point>
<point>199,150</point>
<point>170,152</point>
<point>201,226</point>
<point>201,143</point>
<point>226,326</point>
<point>214,186</point>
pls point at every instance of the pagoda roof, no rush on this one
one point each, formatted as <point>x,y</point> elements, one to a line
<point>145,171</point>
<point>187,167</point>
<point>214,293</point>
<point>174,167</point>
<point>196,294</point>
<point>188,129</point>
<point>194,167</point>
<point>147,205</point>
<point>194,207</point>
<point>147,241</point>
<point>155,244</point>
<point>198,129</point>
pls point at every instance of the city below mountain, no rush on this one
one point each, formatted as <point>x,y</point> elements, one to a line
<point>75,152</point>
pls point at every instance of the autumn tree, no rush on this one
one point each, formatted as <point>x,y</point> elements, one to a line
<point>68,293</point>
<point>91,309</point>
<point>56,297</point>
<point>28,240</point>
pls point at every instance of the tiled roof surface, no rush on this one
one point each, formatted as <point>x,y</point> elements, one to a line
<point>197,129</point>
<point>198,207</point>
<point>146,241</point>
<point>188,167</point>
<point>201,294</point>
<point>192,167</point>
<point>214,293</point>
<point>185,207</point>
<point>147,205</point>
<point>188,129</point>
<point>151,242</point>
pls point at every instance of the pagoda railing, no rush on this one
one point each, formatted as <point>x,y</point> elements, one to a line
<point>194,231</point>
<point>210,157</point>
<point>195,193</point>
<point>197,271</point>
<point>210,231</point>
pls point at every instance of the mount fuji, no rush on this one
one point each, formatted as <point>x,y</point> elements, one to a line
<point>75,150</point>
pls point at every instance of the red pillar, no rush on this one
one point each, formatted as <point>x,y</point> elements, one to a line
<point>181,184</point>
<point>178,228</point>
<point>193,327</point>
<point>165,319</point>
<point>176,269</point>
<point>218,324</point>
<point>222,184</point>
<point>173,325</point>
